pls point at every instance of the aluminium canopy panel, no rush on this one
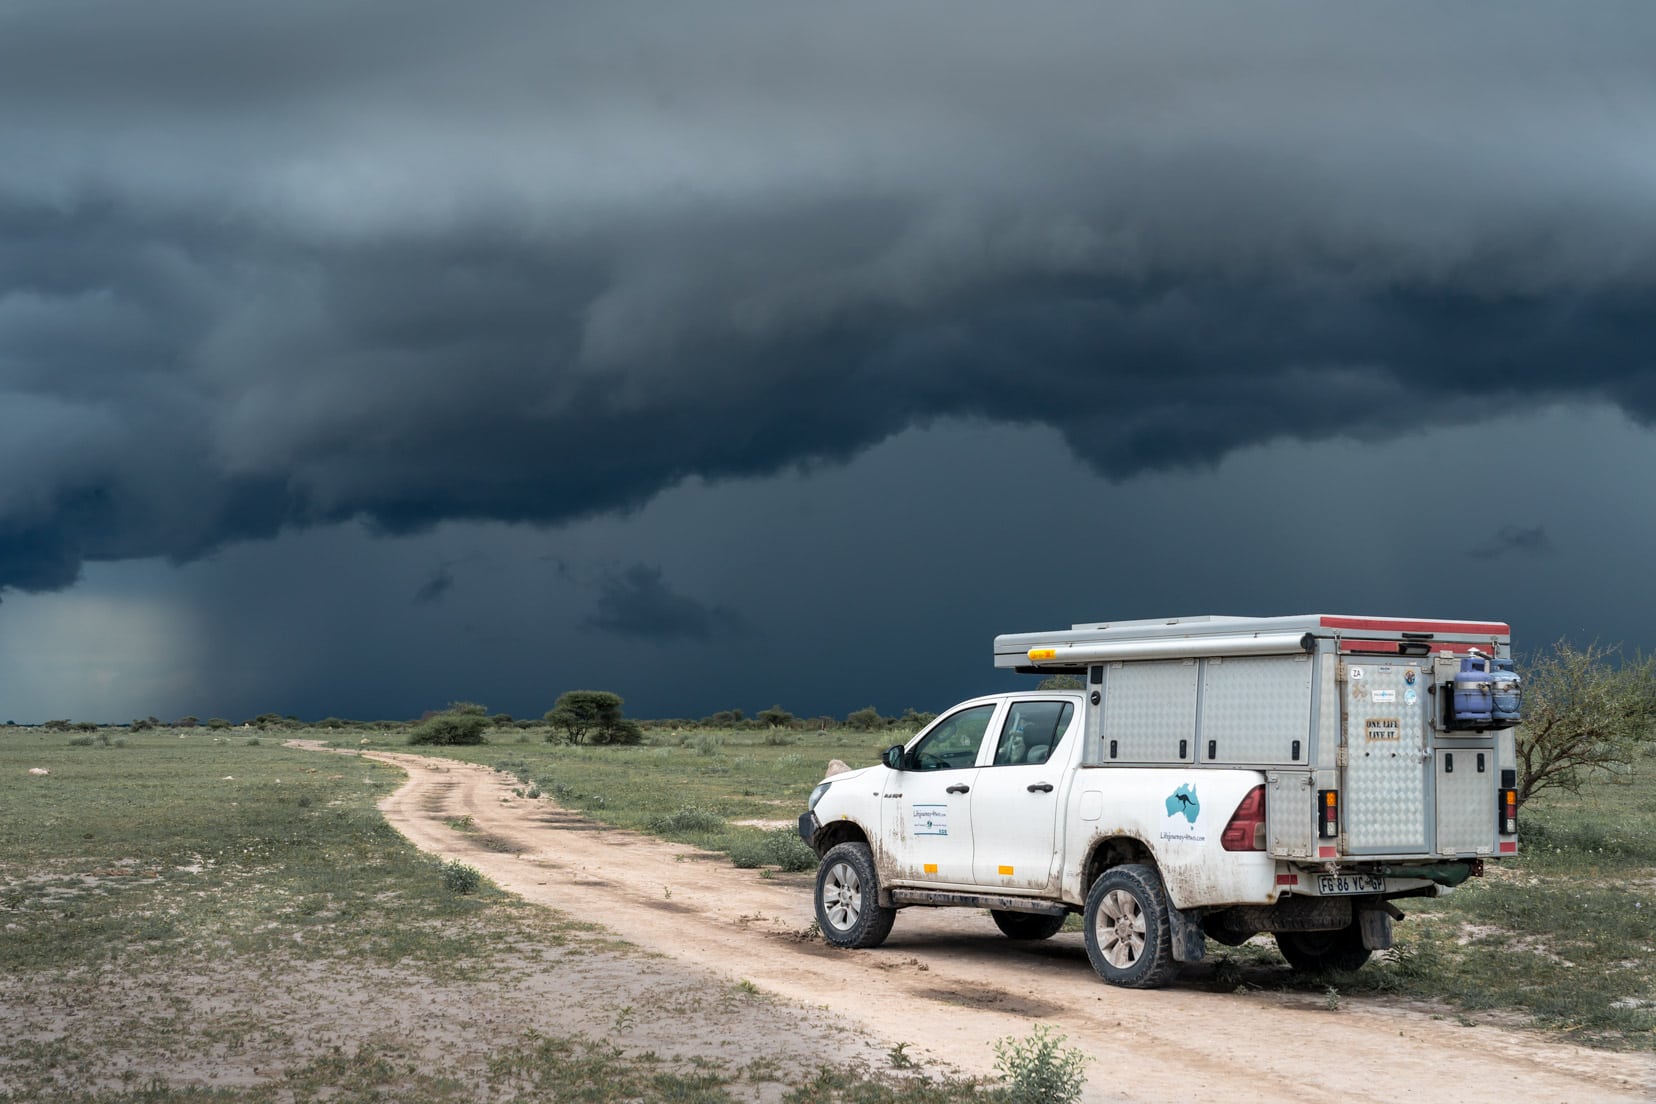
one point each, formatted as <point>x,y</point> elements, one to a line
<point>1387,759</point>
<point>1465,786</point>
<point>1149,711</point>
<point>1256,709</point>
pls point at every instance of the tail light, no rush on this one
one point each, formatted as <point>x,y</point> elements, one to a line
<point>1508,812</point>
<point>1328,813</point>
<point>1246,829</point>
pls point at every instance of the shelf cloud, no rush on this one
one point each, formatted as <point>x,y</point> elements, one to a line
<point>264,270</point>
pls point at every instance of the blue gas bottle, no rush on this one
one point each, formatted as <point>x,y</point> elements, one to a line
<point>1474,692</point>
<point>1507,693</point>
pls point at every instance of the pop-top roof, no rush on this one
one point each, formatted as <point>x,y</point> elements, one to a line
<point>1322,624</point>
<point>1214,634</point>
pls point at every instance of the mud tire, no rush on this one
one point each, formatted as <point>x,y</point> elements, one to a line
<point>1127,928</point>
<point>1317,952</point>
<point>1027,926</point>
<point>847,898</point>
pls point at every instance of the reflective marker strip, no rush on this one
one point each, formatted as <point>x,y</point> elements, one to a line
<point>1287,879</point>
<point>1509,847</point>
<point>1327,853</point>
<point>929,868</point>
<point>1006,870</point>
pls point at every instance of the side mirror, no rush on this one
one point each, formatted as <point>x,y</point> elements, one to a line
<point>893,757</point>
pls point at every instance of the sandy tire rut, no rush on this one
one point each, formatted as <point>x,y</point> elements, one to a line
<point>948,984</point>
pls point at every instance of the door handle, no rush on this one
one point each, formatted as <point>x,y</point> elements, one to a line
<point>1040,787</point>
<point>958,788</point>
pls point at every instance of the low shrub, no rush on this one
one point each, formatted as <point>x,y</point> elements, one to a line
<point>687,821</point>
<point>451,729</point>
<point>1038,1071</point>
<point>460,878</point>
<point>780,847</point>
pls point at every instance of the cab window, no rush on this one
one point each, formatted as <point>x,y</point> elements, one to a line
<point>954,742</point>
<point>1032,732</point>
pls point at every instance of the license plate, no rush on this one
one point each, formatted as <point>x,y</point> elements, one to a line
<point>1338,885</point>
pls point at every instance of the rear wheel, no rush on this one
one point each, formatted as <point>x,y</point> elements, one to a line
<point>1128,937</point>
<point>1318,951</point>
<point>848,905</point>
<point>1027,925</point>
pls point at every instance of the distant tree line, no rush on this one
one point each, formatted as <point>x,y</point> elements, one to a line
<point>1589,715</point>
<point>577,717</point>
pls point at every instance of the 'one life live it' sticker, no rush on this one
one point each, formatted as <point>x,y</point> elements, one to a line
<point>1382,728</point>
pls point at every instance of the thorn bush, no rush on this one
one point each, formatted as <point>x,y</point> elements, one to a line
<point>460,878</point>
<point>1037,1070</point>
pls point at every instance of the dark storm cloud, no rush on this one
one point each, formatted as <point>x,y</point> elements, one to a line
<point>276,268</point>
<point>637,603</point>
<point>434,588</point>
<point>1526,540</point>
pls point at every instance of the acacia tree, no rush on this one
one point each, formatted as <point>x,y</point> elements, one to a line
<point>865,719</point>
<point>775,716</point>
<point>1586,711</point>
<point>593,716</point>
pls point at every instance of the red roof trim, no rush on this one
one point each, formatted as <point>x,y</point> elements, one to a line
<point>1382,624</point>
<point>1389,647</point>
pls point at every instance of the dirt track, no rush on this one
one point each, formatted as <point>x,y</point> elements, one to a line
<point>949,984</point>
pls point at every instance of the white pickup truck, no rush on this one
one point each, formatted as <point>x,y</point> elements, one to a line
<point>1214,777</point>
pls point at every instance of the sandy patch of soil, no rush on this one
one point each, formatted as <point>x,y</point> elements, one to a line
<point>237,1023</point>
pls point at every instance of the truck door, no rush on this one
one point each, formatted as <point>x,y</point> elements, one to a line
<point>1016,797</point>
<point>1387,755</point>
<point>926,813</point>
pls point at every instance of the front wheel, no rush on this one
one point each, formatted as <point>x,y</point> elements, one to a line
<point>1128,938</point>
<point>1314,952</point>
<point>1027,925</point>
<point>848,905</point>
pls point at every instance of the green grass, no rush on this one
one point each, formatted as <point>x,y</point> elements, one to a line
<point>120,853</point>
<point>205,904</point>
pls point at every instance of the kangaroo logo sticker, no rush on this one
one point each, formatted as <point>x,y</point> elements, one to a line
<point>1183,804</point>
<point>1184,801</point>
